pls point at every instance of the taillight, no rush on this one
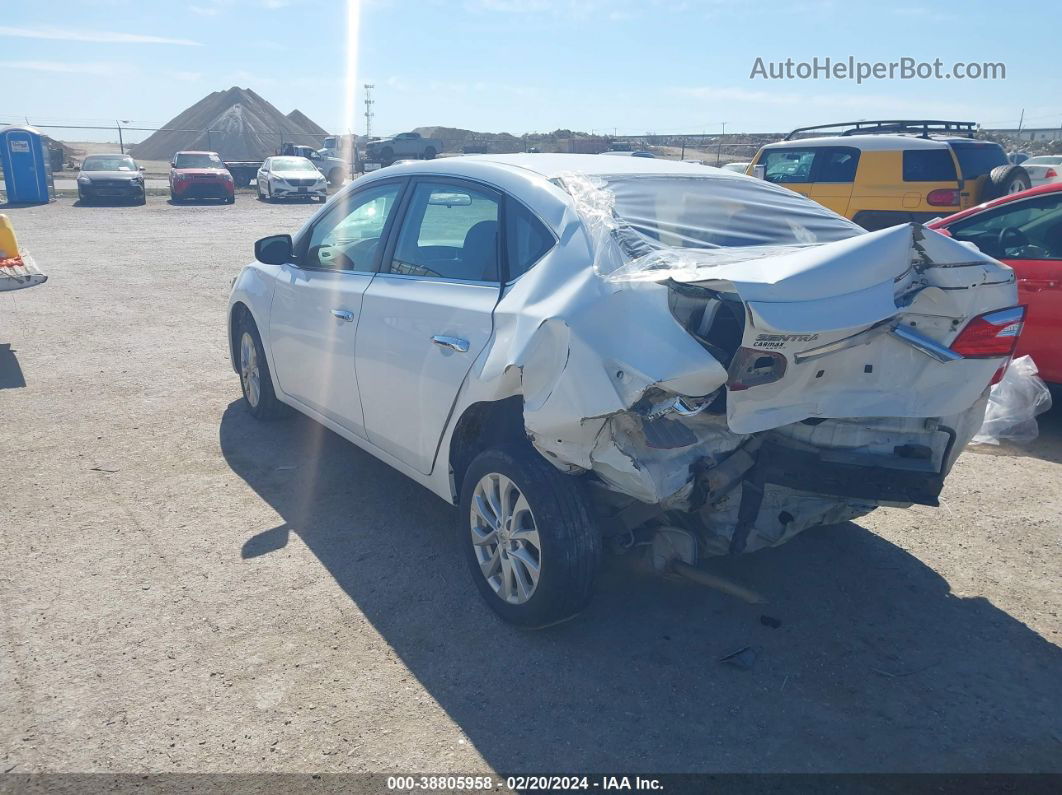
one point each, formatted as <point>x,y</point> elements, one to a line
<point>752,367</point>
<point>991,334</point>
<point>943,197</point>
<point>1050,174</point>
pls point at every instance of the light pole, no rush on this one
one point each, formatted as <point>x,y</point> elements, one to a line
<point>118,124</point>
<point>719,149</point>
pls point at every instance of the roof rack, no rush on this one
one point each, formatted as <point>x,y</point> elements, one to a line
<point>920,127</point>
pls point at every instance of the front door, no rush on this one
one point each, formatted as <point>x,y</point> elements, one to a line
<point>427,315</point>
<point>1027,235</point>
<point>317,304</point>
<point>789,167</point>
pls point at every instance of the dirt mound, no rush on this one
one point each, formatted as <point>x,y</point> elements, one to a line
<point>306,123</point>
<point>237,124</point>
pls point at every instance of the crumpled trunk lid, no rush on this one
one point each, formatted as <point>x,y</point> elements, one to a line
<point>824,326</point>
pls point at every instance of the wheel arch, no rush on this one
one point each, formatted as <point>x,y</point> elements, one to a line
<point>484,424</point>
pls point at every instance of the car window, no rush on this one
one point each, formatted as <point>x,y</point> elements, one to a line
<point>526,238</point>
<point>928,165</point>
<point>788,165</point>
<point>198,160</point>
<point>348,236</point>
<point>1028,229</point>
<point>977,159</point>
<point>291,164</point>
<point>449,231</point>
<point>109,163</point>
<point>837,165</point>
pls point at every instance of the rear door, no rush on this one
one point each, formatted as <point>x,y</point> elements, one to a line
<point>833,174</point>
<point>428,314</point>
<point>1027,235</point>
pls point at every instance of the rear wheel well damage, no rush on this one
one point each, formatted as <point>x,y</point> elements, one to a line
<point>236,315</point>
<point>484,425</point>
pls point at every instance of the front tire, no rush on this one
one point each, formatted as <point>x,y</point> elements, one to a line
<point>255,381</point>
<point>531,545</point>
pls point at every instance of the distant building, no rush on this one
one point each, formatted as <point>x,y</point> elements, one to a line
<point>1030,133</point>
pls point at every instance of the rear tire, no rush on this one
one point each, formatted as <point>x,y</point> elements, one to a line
<point>255,380</point>
<point>1004,180</point>
<point>336,177</point>
<point>429,153</point>
<point>536,516</point>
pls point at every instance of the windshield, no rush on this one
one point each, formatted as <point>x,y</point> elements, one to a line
<point>720,212</point>
<point>292,164</point>
<point>1044,160</point>
<point>198,160</point>
<point>109,163</point>
<point>978,159</point>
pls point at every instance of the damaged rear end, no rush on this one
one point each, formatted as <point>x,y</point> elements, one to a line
<point>806,374</point>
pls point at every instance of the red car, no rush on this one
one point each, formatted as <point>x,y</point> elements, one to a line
<point>1024,230</point>
<point>200,175</point>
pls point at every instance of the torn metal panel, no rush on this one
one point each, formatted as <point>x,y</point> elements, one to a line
<point>727,349</point>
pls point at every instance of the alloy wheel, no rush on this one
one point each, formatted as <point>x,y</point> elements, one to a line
<point>505,538</point>
<point>250,375</point>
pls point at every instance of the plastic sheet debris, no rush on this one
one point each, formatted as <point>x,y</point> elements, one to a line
<point>744,658</point>
<point>1013,405</point>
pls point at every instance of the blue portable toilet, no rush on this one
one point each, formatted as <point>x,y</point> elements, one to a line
<point>27,172</point>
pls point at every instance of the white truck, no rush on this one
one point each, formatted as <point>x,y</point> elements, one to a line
<point>404,146</point>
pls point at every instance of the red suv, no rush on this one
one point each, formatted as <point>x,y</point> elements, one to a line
<point>200,175</point>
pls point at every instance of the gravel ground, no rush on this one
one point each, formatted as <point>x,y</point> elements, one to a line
<point>184,589</point>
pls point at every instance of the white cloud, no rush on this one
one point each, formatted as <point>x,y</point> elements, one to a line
<point>64,67</point>
<point>97,36</point>
<point>186,76</point>
<point>205,11</point>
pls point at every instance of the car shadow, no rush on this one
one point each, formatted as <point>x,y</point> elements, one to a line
<point>10,372</point>
<point>863,660</point>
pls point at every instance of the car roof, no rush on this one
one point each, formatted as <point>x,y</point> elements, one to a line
<point>551,165</point>
<point>106,154</point>
<point>870,143</point>
<point>194,152</point>
<point>1047,187</point>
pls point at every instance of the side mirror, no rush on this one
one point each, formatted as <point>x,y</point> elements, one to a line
<point>139,168</point>
<point>274,250</point>
<point>759,172</point>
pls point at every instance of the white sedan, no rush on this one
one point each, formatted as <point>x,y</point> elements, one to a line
<point>1043,169</point>
<point>286,177</point>
<point>627,353</point>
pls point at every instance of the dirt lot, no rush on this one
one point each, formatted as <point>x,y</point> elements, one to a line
<point>183,588</point>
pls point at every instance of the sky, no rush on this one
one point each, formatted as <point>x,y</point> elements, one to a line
<point>616,66</point>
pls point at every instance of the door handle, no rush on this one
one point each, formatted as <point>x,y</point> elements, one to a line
<point>343,314</point>
<point>453,343</point>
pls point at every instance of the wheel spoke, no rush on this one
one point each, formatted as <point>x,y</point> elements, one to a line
<point>507,584</point>
<point>490,566</point>
<point>525,569</point>
<point>481,538</point>
<point>484,511</point>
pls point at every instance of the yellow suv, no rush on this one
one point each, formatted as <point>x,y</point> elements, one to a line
<point>882,173</point>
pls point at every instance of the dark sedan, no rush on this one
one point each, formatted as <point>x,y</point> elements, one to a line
<point>113,177</point>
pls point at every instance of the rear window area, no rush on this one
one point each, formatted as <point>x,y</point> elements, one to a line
<point>928,165</point>
<point>721,212</point>
<point>977,159</point>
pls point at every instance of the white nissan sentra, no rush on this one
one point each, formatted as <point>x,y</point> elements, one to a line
<point>586,353</point>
